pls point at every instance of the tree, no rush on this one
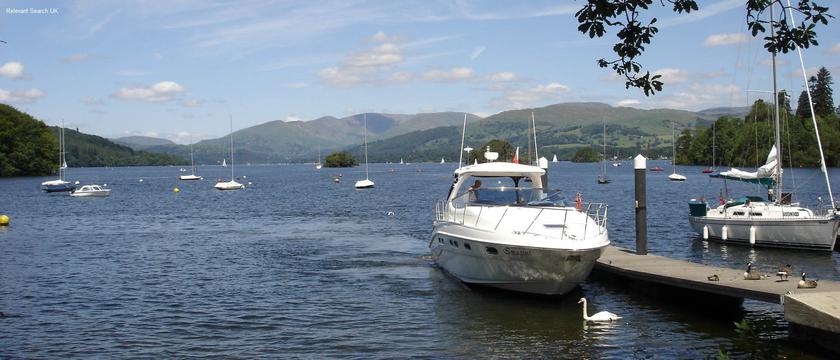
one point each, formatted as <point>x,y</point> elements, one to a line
<point>634,33</point>
<point>504,148</point>
<point>803,109</point>
<point>586,154</point>
<point>822,93</point>
<point>26,146</point>
<point>340,159</point>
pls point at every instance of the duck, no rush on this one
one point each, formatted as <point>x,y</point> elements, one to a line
<point>600,317</point>
<point>806,284</point>
<point>714,277</point>
<point>784,272</point>
<point>751,275</point>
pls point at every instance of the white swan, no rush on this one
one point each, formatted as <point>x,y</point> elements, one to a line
<point>601,316</point>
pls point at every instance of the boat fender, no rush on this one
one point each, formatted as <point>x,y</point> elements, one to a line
<point>752,235</point>
<point>724,233</point>
<point>705,232</point>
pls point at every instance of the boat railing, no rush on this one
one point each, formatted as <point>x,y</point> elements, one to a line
<point>455,211</point>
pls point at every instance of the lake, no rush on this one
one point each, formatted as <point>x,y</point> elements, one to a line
<point>297,266</point>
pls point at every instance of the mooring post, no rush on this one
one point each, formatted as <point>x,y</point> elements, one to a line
<point>640,166</point>
<point>543,163</point>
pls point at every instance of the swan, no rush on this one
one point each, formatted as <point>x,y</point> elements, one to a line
<point>806,284</point>
<point>751,275</point>
<point>601,316</point>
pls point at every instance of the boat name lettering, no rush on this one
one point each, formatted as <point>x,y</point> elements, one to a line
<point>517,252</point>
<point>795,213</point>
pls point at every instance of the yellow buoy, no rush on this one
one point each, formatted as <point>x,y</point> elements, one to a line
<point>4,220</point>
<point>176,190</point>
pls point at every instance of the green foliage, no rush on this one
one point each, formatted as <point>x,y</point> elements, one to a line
<point>84,150</point>
<point>340,159</point>
<point>822,93</point>
<point>635,32</point>
<point>586,154</point>
<point>746,142</point>
<point>26,145</point>
<point>504,148</point>
<point>803,109</point>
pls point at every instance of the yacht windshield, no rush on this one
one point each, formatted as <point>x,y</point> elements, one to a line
<point>503,191</point>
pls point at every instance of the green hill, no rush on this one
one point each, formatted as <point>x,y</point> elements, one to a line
<point>142,142</point>
<point>84,150</point>
<point>26,145</point>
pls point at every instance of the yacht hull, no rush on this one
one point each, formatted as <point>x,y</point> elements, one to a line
<point>817,234</point>
<point>58,187</point>
<point>544,271</point>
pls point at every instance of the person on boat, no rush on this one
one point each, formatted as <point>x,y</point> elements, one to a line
<point>472,190</point>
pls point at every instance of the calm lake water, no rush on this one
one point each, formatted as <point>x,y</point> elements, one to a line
<point>298,266</point>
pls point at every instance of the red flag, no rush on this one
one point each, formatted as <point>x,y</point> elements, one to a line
<point>516,156</point>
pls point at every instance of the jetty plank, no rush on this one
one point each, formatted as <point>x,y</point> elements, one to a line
<point>694,276</point>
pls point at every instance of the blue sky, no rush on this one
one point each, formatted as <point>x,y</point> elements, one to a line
<point>176,69</point>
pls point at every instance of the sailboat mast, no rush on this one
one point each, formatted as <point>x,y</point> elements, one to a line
<point>192,159</point>
<point>604,173</point>
<point>536,148</point>
<point>461,150</point>
<point>366,156</point>
<point>61,160</point>
<point>778,194</point>
<point>813,115</point>
<point>231,147</point>
<point>674,147</point>
<point>714,124</point>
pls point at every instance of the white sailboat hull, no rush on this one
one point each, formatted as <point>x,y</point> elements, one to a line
<point>763,224</point>
<point>229,185</point>
<point>676,177</point>
<point>189,177</point>
<point>364,184</point>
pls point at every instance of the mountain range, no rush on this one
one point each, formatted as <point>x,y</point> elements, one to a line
<point>561,128</point>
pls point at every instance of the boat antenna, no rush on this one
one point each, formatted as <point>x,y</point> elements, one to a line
<point>367,177</point>
<point>813,116</point>
<point>536,149</point>
<point>461,150</point>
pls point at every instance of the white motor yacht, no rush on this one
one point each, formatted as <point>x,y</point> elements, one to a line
<point>90,191</point>
<point>515,238</point>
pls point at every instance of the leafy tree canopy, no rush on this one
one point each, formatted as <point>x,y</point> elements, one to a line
<point>504,148</point>
<point>635,32</point>
<point>586,154</point>
<point>340,159</point>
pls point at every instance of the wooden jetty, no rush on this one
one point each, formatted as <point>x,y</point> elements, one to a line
<point>813,314</point>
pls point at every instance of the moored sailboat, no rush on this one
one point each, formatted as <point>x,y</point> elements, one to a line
<point>776,221</point>
<point>232,184</point>
<point>59,185</point>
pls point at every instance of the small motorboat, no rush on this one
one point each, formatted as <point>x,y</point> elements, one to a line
<point>708,171</point>
<point>657,169</point>
<point>90,191</point>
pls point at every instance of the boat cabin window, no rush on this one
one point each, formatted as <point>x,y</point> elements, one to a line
<point>755,214</point>
<point>504,191</point>
<point>738,213</point>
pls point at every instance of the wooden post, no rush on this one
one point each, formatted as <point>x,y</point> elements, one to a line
<point>640,167</point>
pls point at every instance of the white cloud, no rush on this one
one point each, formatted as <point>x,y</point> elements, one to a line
<point>367,66</point>
<point>628,102</point>
<point>383,38</point>
<point>162,91</point>
<point>102,23</point>
<point>477,52</point>
<point>12,70</point>
<point>453,74</point>
<point>77,58</point>
<point>386,54</point>
<point>725,39</point>
<point>701,96</point>
<point>835,49</point>
<point>21,96</point>
<point>290,118</point>
<point>672,76</point>
<point>502,76</point>
<point>521,98</point>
